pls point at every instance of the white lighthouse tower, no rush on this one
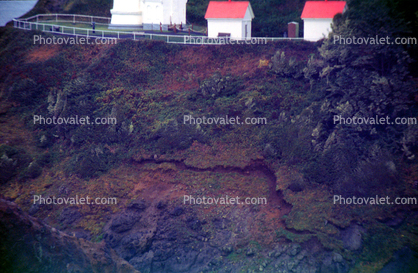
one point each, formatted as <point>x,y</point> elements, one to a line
<point>147,13</point>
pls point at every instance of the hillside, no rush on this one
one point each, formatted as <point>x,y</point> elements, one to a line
<point>293,155</point>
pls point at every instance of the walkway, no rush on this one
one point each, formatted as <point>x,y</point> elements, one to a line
<point>65,24</point>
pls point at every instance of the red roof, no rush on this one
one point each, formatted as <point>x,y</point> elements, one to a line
<point>322,9</point>
<point>227,9</point>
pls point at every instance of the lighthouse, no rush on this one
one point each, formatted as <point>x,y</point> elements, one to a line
<point>147,14</point>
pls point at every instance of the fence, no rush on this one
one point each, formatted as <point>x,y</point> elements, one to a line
<point>67,18</point>
<point>48,23</point>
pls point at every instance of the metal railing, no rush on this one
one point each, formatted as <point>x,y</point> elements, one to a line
<point>67,18</point>
<point>45,23</point>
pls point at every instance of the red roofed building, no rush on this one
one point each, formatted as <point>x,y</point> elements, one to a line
<point>229,18</point>
<point>317,18</point>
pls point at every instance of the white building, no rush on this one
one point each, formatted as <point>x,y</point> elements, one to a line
<point>317,18</point>
<point>148,13</point>
<point>229,18</point>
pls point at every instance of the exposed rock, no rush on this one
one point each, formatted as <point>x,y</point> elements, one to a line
<point>294,250</point>
<point>138,205</point>
<point>69,216</point>
<point>332,263</point>
<point>124,222</point>
<point>177,211</point>
<point>352,237</point>
<point>144,261</point>
<point>221,223</point>
<point>134,244</point>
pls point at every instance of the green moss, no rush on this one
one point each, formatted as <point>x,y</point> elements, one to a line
<point>293,237</point>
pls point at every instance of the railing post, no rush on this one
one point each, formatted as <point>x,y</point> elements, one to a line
<point>56,17</point>
<point>118,35</point>
<point>73,30</point>
<point>73,19</point>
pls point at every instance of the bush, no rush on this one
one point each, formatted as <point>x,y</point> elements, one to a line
<point>174,135</point>
<point>12,162</point>
<point>217,86</point>
<point>25,91</point>
<point>286,67</point>
<point>91,161</point>
<point>32,171</point>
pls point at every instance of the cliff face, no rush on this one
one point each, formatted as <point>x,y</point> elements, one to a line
<point>29,245</point>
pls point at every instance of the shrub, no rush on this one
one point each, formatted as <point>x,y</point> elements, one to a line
<point>174,135</point>
<point>32,171</point>
<point>286,67</point>
<point>25,91</point>
<point>91,161</point>
<point>12,162</point>
<point>217,86</point>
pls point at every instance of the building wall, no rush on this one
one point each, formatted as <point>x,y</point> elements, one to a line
<point>316,29</point>
<point>153,12</point>
<point>246,22</point>
<point>232,26</point>
<point>148,12</point>
<point>127,12</point>
<point>126,5</point>
<point>178,12</point>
